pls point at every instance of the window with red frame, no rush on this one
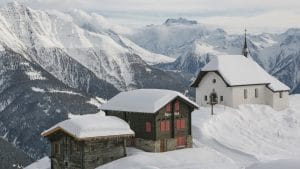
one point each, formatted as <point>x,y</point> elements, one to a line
<point>168,108</point>
<point>176,106</point>
<point>165,125</point>
<point>180,123</point>
<point>148,127</point>
<point>181,141</point>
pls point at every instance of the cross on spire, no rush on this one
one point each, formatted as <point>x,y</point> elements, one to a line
<point>245,51</point>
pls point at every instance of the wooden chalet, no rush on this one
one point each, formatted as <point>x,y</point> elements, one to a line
<point>161,119</point>
<point>87,141</point>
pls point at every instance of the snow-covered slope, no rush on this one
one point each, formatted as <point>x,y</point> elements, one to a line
<point>251,133</point>
<point>277,164</point>
<point>252,137</point>
<point>193,44</point>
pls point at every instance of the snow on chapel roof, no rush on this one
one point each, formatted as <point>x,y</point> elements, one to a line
<point>143,100</point>
<point>238,70</point>
<point>92,125</point>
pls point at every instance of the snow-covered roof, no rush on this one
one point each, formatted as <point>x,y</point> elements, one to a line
<point>91,126</point>
<point>238,70</point>
<point>143,100</point>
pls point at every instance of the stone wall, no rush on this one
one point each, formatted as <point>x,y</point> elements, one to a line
<point>155,146</point>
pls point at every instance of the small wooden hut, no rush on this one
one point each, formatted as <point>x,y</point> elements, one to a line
<point>87,141</point>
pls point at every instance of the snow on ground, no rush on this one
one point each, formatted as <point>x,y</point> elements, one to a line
<point>64,91</point>
<point>43,163</point>
<point>256,130</point>
<point>278,164</point>
<point>251,137</point>
<point>95,102</point>
<point>34,75</point>
<point>36,89</point>
<point>191,158</point>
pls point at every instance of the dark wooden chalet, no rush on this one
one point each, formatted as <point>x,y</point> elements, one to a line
<point>161,119</point>
<point>87,142</point>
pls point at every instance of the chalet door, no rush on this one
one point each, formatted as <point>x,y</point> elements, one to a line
<point>163,145</point>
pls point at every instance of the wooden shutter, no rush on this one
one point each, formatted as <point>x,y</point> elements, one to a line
<point>167,125</point>
<point>181,141</point>
<point>148,127</point>
<point>182,123</point>
<point>177,106</point>
<point>162,126</point>
<point>178,123</point>
<point>168,108</point>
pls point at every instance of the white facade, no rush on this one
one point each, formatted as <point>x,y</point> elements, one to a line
<point>233,96</point>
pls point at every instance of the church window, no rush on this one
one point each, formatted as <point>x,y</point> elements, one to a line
<point>205,98</point>
<point>280,94</point>
<point>256,93</point>
<point>221,98</point>
<point>214,80</point>
<point>245,94</point>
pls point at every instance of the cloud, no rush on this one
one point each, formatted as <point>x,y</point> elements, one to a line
<point>259,15</point>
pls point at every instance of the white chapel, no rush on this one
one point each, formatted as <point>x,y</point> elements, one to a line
<point>237,79</point>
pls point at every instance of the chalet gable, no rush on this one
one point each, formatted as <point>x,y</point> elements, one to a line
<point>144,100</point>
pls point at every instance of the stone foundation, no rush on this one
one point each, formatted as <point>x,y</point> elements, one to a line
<point>155,145</point>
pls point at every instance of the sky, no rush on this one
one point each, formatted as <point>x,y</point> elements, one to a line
<point>233,15</point>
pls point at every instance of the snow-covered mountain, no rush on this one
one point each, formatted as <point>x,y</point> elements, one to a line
<point>192,44</point>
<point>55,63</point>
<point>52,38</point>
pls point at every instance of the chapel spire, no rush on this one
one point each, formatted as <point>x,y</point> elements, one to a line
<point>245,51</point>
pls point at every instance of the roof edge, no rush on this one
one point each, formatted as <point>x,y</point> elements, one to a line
<point>50,132</point>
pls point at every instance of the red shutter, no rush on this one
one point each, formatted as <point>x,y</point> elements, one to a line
<point>178,123</point>
<point>168,108</point>
<point>181,141</point>
<point>148,127</point>
<point>182,123</point>
<point>162,125</point>
<point>167,125</point>
<point>177,106</point>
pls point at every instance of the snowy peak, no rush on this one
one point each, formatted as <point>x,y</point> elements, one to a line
<point>180,21</point>
<point>88,39</point>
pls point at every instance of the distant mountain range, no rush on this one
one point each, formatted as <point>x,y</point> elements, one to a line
<point>192,44</point>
